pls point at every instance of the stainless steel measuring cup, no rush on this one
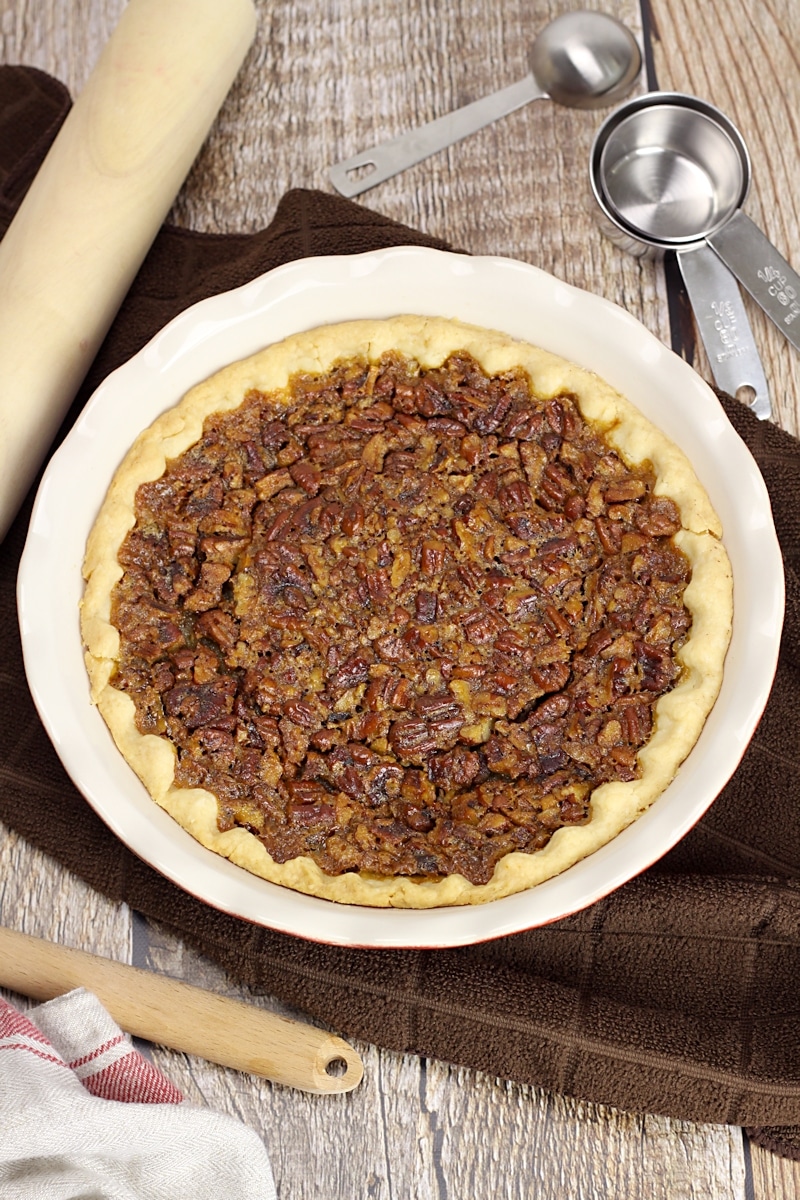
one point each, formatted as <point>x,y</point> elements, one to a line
<point>671,172</point>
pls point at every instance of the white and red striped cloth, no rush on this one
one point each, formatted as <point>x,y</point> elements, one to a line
<point>83,1113</point>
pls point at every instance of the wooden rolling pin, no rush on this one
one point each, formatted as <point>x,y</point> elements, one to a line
<point>182,1017</point>
<point>82,231</point>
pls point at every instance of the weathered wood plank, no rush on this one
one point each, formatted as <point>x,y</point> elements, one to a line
<point>39,897</point>
<point>772,1175</point>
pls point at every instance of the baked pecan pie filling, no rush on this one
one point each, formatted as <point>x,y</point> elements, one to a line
<point>402,621</point>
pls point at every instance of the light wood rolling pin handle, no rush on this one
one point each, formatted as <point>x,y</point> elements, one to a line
<point>186,1018</point>
<point>98,200</point>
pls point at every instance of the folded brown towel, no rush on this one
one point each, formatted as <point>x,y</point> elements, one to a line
<point>678,994</point>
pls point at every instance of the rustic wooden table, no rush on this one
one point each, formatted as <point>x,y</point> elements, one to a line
<point>324,80</point>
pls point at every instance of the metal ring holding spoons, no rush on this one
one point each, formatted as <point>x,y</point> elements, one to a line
<point>671,172</point>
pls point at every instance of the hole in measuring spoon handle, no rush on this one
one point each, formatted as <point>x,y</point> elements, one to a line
<point>361,171</point>
<point>724,328</point>
<point>746,395</point>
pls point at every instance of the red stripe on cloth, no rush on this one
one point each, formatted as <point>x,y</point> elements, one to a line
<point>13,1023</point>
<point>53,1058</point>
<point>87,1058</point>
<point>133,1079</point>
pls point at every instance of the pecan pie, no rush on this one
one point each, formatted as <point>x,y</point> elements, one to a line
<point>405,612</point>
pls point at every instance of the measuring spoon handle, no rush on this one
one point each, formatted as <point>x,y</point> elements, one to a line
<point>392,157</point>
<point>763,270</point>
<point>723,325</point>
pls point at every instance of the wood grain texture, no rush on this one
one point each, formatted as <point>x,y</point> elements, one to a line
<point>773,1176</point>
<point>324,80</point>
<point>38,897</point>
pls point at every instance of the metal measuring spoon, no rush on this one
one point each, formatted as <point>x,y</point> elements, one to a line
<point>671,172</point>
<point>580,59</point>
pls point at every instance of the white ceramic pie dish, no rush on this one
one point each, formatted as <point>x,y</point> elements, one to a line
<point>495,292</point>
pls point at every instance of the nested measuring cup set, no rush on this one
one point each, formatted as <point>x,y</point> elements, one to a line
<point>669,173</point>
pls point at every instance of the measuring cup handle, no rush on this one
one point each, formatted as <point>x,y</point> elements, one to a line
<point>762,270</point>
<point>389,158</point>
<point>723,326</point>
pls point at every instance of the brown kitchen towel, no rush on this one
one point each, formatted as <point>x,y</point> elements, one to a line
<point>678,994</point>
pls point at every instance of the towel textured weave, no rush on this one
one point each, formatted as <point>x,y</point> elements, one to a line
<point>83,1113</point>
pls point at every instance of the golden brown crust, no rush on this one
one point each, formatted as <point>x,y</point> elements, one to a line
<point>680,714</point>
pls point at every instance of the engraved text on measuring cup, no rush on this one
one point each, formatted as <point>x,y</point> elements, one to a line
<point>782,291</point>
<point>725,326</point>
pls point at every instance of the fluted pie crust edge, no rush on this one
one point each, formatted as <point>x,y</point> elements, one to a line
<point>679,714</point>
